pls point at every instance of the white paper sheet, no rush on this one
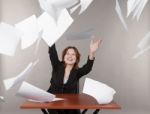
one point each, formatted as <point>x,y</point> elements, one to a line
<point>30,31</point>
<point>50,9</point>
<point>139,9</point>
<point>145,42</point>
<point>72,10</point>
<point>84,5</point>
<point>136,7</point>
<point>62,4</point>
<point>81,35</point>
<point>11,82</point>
<point>130,4</point>
<point>119,12</point>
<point>2,99</point>
<point>9,39</point>
<point>141,52</point>
<point>100,91</point>
<point>55,7</point>
<point>52,31</point>
<point>33,93</point>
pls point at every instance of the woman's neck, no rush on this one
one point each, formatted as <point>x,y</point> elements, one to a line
<point>69,67</point>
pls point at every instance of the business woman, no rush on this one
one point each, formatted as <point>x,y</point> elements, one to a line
<point>66,73</point>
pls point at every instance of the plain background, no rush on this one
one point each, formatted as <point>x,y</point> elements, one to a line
<point>113,64</point>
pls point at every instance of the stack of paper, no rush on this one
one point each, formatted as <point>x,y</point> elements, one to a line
<point>35,94</point>
<point>100,91</point>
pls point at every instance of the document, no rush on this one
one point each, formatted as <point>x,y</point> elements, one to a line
<point>52,31</point>
<point>11,82</point>
<point>55,7</point>
<point>35,94</point>
<point>30,31</point>
<point>139,9</point>
<point>135,7</point>
<point>84,5</point>
<point>9,39</point>
<point>100,91</point>
<point>87,34</point>
<point>72,10</point>
<point>119,12</point>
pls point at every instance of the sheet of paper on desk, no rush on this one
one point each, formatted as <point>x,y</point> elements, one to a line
<point>52,31</point>
<point>30,31</point>
<point>100,91</point>
<point>9,83</point>
<point>34,93</point>
<point>145,42</point>
<point>9,39</point>
<point>119,12</point>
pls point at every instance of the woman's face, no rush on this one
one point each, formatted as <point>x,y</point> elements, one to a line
<point>70,57</point>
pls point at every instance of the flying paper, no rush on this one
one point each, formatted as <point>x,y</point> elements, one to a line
<point>52,31</point>
<point>145,42</point>
<point>2,99</point>
<point>81,35</point>
<point>35,94</point>
<point>84,5</point>
<point>30,31</point>
<point>55,7</point>
<point>72,10</point>
<point>62,4</point>
<point>100,91</point>
<point>136,7</point>
<point>119,12</point>
<point>9,83</point>
<point>141,52</point>
<point>9,39</point>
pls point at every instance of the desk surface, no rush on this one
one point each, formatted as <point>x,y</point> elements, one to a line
<point>72,101</point>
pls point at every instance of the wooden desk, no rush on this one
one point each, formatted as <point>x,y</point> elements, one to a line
<point>72,101</point>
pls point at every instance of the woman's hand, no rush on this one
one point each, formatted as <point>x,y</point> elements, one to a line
<point>94,45</point>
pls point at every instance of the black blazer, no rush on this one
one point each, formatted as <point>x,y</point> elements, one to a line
<point>58,70</point>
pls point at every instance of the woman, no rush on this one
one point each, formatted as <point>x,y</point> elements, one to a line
<point>66,73</point>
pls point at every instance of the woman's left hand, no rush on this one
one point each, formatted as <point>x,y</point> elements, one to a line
<point>94,45</point>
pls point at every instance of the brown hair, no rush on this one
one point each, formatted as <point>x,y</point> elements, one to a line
<point>76,65</point>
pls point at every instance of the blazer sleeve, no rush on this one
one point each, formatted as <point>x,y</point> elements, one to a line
<point>86,68</point>
<point>53,56</point>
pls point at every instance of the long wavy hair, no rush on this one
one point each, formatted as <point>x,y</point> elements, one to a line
<point>76,65</point>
